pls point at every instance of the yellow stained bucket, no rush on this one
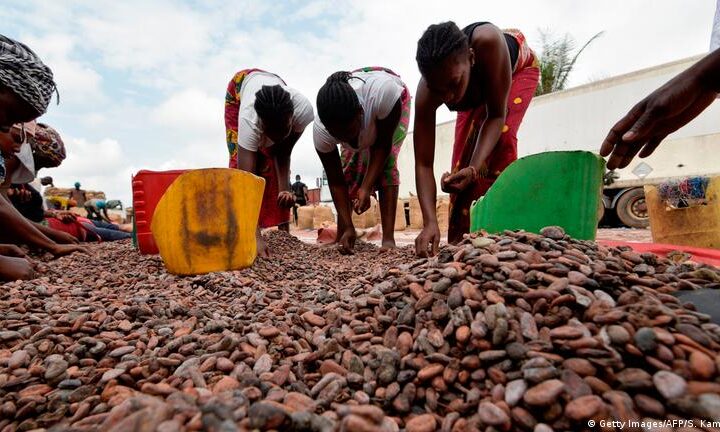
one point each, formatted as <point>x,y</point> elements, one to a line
<point>697,226</point>
<point>206,221</point>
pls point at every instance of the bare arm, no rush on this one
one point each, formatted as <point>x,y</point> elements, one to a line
<point>491,51</point>
<point>282,159</point>
<point>55,235</point>
<point>424,143</point>
<point>663,112</point>
<point>426,104</point>
<point>22,229</point>
<point>246,160</point>
<point>338,187</point>
<point>282,153</point>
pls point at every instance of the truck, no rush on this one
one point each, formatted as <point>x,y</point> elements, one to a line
<point>579,118</point>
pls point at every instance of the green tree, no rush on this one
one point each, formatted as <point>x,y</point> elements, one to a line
<point>557,60</point>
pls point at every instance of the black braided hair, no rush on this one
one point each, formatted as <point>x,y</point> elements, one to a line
<point>437,43</point>
<point>337,102</point>
<point>273,104</point>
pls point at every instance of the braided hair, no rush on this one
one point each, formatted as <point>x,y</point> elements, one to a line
<point>437,43</point>
<point>337,102</point>
<point>273,104</point>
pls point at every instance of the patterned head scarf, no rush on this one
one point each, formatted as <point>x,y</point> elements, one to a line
<point>25,74</point>
<point>47,144</point>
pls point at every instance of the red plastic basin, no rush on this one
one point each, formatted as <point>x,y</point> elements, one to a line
<point>148,187</point>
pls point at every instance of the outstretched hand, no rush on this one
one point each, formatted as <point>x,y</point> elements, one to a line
<point>663,112</point>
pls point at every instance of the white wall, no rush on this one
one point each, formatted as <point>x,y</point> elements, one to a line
<point>444,138</point>
<point>580,118</point>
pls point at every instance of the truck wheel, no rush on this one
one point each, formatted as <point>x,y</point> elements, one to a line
<point>632,209</point>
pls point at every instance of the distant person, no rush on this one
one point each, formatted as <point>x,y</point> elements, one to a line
<point>78,195</point>
<point>264,118</point>
<point>41,185</point>
<point>366,112</point>
<point>663,112</point>
<point>489,76</point>
<point>87,230</point>
<point>96,209</point>
<point>300,190</point>
<point>114,205</point>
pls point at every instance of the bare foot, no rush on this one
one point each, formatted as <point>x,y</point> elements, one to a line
<point>388,244</point>
<point>13,268</point>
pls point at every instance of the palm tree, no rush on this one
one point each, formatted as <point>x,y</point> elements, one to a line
<point>558,60</point>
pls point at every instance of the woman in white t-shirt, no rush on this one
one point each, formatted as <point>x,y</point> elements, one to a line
<point>366,112</point>
<point>264,118</point>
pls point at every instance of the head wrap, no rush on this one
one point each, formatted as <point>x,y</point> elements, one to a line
<point>77,184</point>
<point>47,144</point>
<point>25,74</point>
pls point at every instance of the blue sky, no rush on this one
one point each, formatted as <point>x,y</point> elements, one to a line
<point>142,82</point>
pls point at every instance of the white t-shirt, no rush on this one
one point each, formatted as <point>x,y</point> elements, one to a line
<point>378,95</point>
<point>250,133</point>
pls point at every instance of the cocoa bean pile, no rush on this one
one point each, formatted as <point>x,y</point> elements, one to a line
<point>512,332</point>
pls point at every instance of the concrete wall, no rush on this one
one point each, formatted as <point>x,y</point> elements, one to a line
<point>444,137</point>
<point>580,118</point>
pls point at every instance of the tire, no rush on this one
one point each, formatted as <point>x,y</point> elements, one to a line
<point>600,211</point>
<point>632,210</point>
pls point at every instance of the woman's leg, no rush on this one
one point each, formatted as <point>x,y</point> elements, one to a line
<point>467,128</point>
<point>106,234</point>
<point>390,181</point>
<point>105,225</point>
<point>388,208</point>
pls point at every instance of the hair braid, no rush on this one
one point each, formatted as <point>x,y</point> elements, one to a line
<point>337,102</point>
<point>273,103</point>
<point>437,43</point>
